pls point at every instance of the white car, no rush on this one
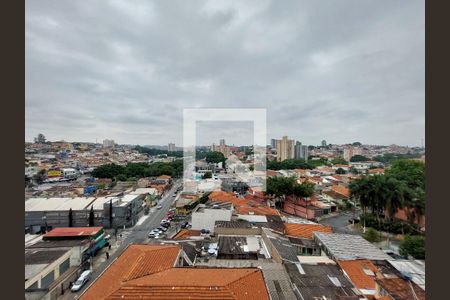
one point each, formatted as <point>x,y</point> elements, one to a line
<point>84,277</point>
<point>159,207</point>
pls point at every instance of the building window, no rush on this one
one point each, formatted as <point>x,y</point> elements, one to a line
<point>64,266</point>
<point>47,280</point>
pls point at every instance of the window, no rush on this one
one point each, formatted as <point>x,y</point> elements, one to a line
<point>64,266</point>
<point>47,280</point>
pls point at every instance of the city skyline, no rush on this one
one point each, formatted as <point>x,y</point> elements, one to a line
<point>322,70</point>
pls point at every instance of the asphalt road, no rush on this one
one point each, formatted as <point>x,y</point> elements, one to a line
<point>340,222</point>
<point>135,235</point>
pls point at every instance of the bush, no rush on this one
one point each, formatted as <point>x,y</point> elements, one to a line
<point>391,226</point>
<point>371,235</point>
<point>413,245</point>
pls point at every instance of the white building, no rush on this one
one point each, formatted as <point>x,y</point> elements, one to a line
<point>206,216</point>
<point>108,143</point>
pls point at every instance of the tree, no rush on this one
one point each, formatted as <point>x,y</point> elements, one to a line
<point>280,187</point>
<point>215,157</point>
<point>207,175</point>
<point>356,144</point>
<point>339,161</point>
<point>91,217</point>
<point>413,245</point>
<point>340,171</point>
<point>358,158</point>
<point>121,177</point>
<point>39,177</point>
<point>70,218</point>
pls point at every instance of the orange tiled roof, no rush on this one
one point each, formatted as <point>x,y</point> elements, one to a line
<point>148,272</point>
<point>185,234</point>
<point>136,261</point>
<point>196,283</point>
<point>341,190</point>
<point>222,196</point>
<point>305,230</point>
<point>257,210</point>
<point>355,271</point>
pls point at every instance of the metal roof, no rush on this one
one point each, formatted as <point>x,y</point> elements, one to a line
<point>348,247</point>
<point>413,268</point>
<point>57,204</point>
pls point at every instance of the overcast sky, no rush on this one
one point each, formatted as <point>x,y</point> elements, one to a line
<point>343,71</point>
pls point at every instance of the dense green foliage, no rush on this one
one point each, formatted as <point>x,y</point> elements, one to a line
<point>402,185</point>
<point>280,187</point>
<point>39,177</point>
<point>339,161</point>
<point>215,157</point>
<point>155,152</point>
<point>371,235</point>
<point>207,175</point>
<point>288,164</point>
<point>413,245</point>
<point>314,163</point>
<point>389,158</point>
<point>392,226</point>
<point>139,170</point>
<point>340,171</point>
<point>359,158</point>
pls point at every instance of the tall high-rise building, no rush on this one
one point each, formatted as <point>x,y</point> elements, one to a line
<point>324,143</point>
<point>171,147</point>
<point>273,143</point>
<point>285,149</point>
<point>350,151</point>
<point>222,142</point>
<point>108,143</point>
<point>301,151</point>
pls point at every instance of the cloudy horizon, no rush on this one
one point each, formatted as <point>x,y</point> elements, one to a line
<point>343,71</point>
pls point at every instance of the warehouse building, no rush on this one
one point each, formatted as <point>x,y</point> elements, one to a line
<point>43,214</point>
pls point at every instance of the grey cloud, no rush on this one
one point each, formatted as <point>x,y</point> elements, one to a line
<point>342,71</point>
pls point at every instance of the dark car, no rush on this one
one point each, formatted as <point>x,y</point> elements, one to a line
<point>166,225</point>
<point>184,224</point>
<point>353,220</point>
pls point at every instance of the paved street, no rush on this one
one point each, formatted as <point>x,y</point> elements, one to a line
<point>134,235</point>
<point>340,222</point>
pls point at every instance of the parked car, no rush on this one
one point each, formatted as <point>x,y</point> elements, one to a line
<point>84,277</point>
<point>162,228</point>
<point>159,207</point>
<point>355,220</point>
<point>166,224</point>
<point>185,225</point>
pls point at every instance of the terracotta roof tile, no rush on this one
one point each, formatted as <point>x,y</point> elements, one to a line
<point>305,230</point>
<point>185,234</point>
<point>135,261</point>
<point>257,210</point>
<point>341,190</point>
<point>73,231</point>
<point>355,270</point>
<point>197,283</point>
